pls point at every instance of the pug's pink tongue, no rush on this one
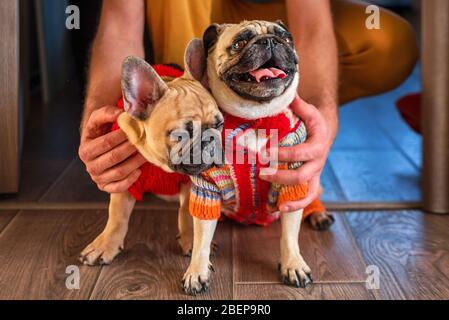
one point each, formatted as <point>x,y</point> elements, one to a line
<point>270,73</point>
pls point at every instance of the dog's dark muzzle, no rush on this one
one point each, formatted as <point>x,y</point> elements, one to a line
<point>265,69</point>
<point>200,153</point>
<point>265,50</point>
<point>269,42</point>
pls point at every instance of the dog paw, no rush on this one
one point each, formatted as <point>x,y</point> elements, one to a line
<point>186,244</point>
<point>296,273</point>
<point>321,221</point>
<point>101,251</point>
<point>196,280</point>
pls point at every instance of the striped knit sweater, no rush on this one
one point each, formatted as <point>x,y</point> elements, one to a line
<point>236,189</point>
<point>218,189</point>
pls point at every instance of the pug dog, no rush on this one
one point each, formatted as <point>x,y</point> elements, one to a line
<point>253,74</point>
<point>154,110</point>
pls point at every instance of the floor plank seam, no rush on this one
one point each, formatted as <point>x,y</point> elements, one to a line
<point>354,241</point>
<point>57,180</point>
<point>89,297</point>
<point>361,252</point>
<point>9,223</point>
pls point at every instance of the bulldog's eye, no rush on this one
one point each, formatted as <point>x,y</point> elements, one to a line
<point>174,136</point>
<point>288,40</point>
<point>239,45</point>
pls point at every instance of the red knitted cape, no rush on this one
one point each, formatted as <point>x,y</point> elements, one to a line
<point>253,191</point>
<point>153,179</point>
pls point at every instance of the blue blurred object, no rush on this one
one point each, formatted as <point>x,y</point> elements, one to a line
<point>376,156</point>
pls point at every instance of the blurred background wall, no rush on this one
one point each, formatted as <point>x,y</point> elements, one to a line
<point>63,53</point>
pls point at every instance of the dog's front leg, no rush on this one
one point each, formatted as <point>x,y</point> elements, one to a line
<point>294,270</point>
<point>110,242</point>
<point>196,278</point>
<point>185,221</point>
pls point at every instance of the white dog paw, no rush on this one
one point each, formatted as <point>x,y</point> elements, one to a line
<point>295,272</point>
<point>196,280</point>
<point>101,251</point>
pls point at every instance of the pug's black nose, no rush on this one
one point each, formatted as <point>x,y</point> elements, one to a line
<point>269,42</point>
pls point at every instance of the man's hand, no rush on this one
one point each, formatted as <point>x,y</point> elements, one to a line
<point>313,152</point>
<point>112,162</point>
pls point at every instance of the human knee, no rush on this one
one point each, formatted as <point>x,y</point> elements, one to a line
<point>394,54</point>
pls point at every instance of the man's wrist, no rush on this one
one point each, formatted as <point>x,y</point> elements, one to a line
<point>330,115</point>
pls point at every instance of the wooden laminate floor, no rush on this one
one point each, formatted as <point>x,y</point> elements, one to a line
<point>409,248</point>
<point>376,160</point>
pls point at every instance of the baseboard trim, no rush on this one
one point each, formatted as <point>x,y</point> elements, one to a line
<point>331,206</point>
<point>372,206</point>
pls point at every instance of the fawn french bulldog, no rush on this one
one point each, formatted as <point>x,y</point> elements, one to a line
<point>154,110</point>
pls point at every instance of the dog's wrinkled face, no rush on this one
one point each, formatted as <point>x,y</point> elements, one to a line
<point>165,120</point>
<point>251,64</point>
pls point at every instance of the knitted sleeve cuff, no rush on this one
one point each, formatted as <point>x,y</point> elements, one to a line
<point>292,193</point>
<point>204,204</point>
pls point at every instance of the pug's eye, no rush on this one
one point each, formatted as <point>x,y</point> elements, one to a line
<point>288,40</point>
<point>239,45</point>
<point>219,124</point>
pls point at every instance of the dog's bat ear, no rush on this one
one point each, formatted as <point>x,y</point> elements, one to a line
<point>210,37</point>
<point>282,24</point>
<point>195,61</point>
<point>141,86</point>
<point>134,129</point>
<point>136,133</point>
